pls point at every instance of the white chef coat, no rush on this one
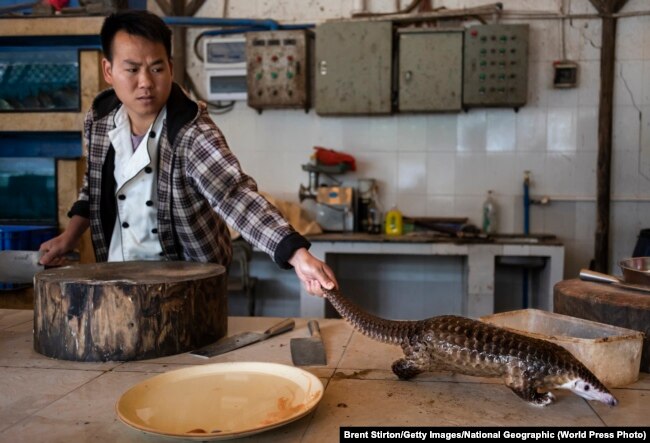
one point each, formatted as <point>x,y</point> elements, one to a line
<point>135,235</point>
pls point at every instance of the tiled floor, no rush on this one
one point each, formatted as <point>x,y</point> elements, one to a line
<point>59,401</point>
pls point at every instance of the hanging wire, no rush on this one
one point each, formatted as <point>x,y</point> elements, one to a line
<point>562,25</point>
<point>217,107</point>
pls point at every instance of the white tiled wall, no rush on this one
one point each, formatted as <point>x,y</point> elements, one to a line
<point>442,164</point>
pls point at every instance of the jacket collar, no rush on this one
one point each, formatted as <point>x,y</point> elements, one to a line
<point>180,109</point>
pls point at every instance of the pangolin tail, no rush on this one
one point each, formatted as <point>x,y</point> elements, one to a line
<point>380,329</point>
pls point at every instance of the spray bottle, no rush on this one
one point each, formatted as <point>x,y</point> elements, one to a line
<point>489,214</point>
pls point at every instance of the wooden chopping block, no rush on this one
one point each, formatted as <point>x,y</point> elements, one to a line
<point>606,304</point>
<point>122,311</point>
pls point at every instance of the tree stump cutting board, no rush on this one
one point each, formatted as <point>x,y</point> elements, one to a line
<point>122,311</point>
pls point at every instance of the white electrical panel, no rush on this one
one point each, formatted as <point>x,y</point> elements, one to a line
<point>225,68</point>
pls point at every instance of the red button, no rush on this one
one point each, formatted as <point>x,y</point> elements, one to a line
<point>274,58</point>
<point>474,32</point>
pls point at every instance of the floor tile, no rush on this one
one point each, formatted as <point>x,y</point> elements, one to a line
<point>352,402</point>
<point>88,414</point>
<point>632,408</point>
<point>27,390</point>
<point>13,317</point>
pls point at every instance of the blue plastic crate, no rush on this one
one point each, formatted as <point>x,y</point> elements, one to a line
<point>25,238</point>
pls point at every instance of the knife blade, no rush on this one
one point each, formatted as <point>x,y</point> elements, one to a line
<point>598,277</point>
<point>237,341</point>
<point>21,266</point>
<point>309,351</point>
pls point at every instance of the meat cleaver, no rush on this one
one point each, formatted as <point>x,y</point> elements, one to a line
<point>237,341</point>
<point>309,351</point>
<point>20,266</point>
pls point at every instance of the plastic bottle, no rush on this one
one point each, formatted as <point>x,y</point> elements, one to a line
<point>489,214</point>
<point>394,224</point>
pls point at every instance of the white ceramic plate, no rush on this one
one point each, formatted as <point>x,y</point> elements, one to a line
<point>220,401</point>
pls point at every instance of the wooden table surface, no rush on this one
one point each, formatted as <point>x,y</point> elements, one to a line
<point>61,401</point>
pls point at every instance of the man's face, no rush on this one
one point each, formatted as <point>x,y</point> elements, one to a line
<point>141,75</point>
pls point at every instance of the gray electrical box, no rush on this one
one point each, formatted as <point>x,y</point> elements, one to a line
<point>278,69</point>
<point>495,66</point>
<point>430,70</point>
<point>353,66</point>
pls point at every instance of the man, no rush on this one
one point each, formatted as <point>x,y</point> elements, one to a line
<point>161,182</point>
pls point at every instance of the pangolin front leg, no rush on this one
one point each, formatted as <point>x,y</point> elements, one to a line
<point>522,384</point>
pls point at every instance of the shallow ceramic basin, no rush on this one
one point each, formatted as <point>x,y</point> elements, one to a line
<point>220,401</point>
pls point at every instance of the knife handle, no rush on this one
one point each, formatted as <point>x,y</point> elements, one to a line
<point>588,275</point>
<point>72,256</point>
<point>285,325</point>
<point>314,329</point>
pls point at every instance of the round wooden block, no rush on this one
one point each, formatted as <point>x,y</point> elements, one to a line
<point>122,311</point>
<point>609,304</point>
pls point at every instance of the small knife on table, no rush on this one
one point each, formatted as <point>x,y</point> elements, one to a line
<point>237,341</point>
<point>589,275</point>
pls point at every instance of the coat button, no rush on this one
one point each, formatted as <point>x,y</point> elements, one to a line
<point>149,203</point>
<point>122,197</point>
<point>148,170</point>
<point>154,231</point>
<point>125,225</point>
<point>152,134</point>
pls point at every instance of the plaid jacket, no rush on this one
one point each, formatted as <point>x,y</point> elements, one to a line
<point>201,189</point>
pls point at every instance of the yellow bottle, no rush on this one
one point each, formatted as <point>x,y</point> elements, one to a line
<point>394,225</point>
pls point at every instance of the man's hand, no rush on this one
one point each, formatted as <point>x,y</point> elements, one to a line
<point>312,272</point>
<point>53,250</point>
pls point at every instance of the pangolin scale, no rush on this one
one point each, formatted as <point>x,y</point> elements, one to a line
<point>530,367</point>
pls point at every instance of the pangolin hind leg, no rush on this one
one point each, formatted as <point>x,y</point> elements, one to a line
<point>406,369</point>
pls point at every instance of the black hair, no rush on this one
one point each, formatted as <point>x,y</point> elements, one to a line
<point>138,22</point>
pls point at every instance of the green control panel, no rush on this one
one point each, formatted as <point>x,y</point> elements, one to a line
<point>495,64</point>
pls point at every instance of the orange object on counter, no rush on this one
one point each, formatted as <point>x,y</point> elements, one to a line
<point>332,158</point>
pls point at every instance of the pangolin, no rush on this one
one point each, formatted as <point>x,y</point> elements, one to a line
<point>530,367</point>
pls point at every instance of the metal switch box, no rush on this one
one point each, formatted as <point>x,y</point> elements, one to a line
<point>495,65</point>
<point>278,74</point>
<point>353,68</point>
<point>430,70</point>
